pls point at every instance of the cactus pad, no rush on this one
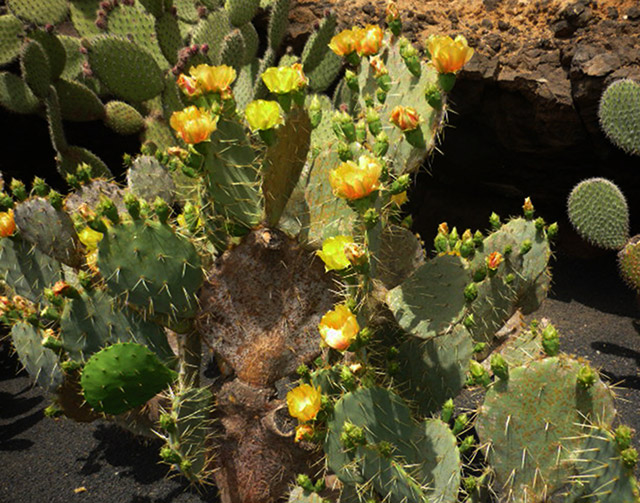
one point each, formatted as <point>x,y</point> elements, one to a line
<point>40,362</point>
<point>50,230</point>
<point>11,32</point>
<point>78,102</point>
<point>148,179</point>
<point>123,118</point>
<point>598,211</point>
<point>619,114</point>
<point>123,376</point>
<point>94,320</point>
<point>629,262</point>
<point>36,68</point>
<point>16,96</point>
<point>532,422</point>
<point>430,300</point>
<point>151,266</point>
<point>40,12</point>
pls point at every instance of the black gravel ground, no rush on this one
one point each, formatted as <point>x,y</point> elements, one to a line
<point>43,460</point>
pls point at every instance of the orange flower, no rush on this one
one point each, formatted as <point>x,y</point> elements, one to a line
<point>213,79</point>
<point>338,328</point>
<point>304,402</point>
<point>406,118</point>
<point>494,260</point>
<point>370,40</point>
<point>353,181</point>
<point>448,55</point>
<point>302,78</point>
<point>194,125</point>
<point>188,85</point>
<point>303,432</point>
<point>379,68</point>
<point>345,42</point>
<point>7,223</point>
<point>391,10</point>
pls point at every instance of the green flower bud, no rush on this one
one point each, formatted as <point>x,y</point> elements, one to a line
<point>586,376</point>
<point>471,292</point>
<point>460,424</point>
<point>526,247</point>
<point>623,437</point>
<point>550,340</point>
<point>39,187</point>
<point>494,221</point>
<point>499,366</point>
<point>18,190</point>
<point>447,411</point>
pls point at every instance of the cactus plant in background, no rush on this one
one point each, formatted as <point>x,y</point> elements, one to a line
<point>267,232</point>
<point>597,208</point>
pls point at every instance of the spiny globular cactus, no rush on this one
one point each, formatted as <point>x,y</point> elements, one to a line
<point>597,208</point>
<point>114,314</point>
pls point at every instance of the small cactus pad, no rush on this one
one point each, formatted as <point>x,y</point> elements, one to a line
<point>532,422</point>
<point>123,376</point>
<point>598,211</point>
<point>123,118</point>
<point>16,96</point>
<point>40,362</point>
<point>148,179</point>
<point>431,299</point>
<point>151,266</point>
<point>619,114</point>
<point>629,262</point>
<point>78,102</point>
<point>51,230</point>
<point>26,269</point>
<point>36,68</point>
<point>40,12</point>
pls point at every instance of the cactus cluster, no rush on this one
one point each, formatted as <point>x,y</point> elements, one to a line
<point>597,208</point>
<point>268,232</point>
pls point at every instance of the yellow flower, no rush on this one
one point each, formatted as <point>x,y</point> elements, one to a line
<point>406,118</point>
<point>283,79</point>
<point>345,42</point>
<point>188,85</point>
<point>399,199</point>
<point>378,66</point>
<point>193,124</point>
<point>391,10</point>
<point>333,253</point>
<point>7,223</point>
<point>263,114</point>
<point>212,79</point>
<point>90,238</point>
<point>353,181</point>
<point>338,328</point>
<point>448,55</point>
<point>369,40</point>
<point>304,402</point>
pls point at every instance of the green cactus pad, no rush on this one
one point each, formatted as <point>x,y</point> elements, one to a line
<point>118,63</point>
<point>71,157</point>
<point>123,376</point>
<point>169,37</point>
<point>431,300</point>
<point>602,476</point>
<point>11,33</point>
<point>400,255</point>
<point>27,270</point>
<point>186,10</point>
<point>40,362</point>
<point>325,73</point>
<point>151,266</point>
<point>519,279</point>
<point>39,12</point>
<point>122,118</point>
<point>619,114</point>
<point>191,409</point>
<point>16,96</point>
<point>629,262</point>
<point>36,68</point>
<point>532,424</point>
<point>154,7</point>
<point>278,22</point>
<point>74,58</point>
<point>148,179</point>
<point>243,86</point>
<point>83,16</point>
<point>139,27</point>
<point>284,162</point>
<point>78,102</point>
<point>251,42</point>
<point>241,11</point>
<point>94,321</point>
<point>421,462</point>
<point>233,179</point>
<point>317,45</point>
<point>50,230</point>
<point>54,121</point>
<point>598,211</point>
<point>54,49</point>
<point>211,31</point>
<point>432,371</point>
<point>233,49</point>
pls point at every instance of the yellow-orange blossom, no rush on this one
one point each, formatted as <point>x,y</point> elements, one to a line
<point>353,181</point>
<point>448,55</point>
<point>194,125</point>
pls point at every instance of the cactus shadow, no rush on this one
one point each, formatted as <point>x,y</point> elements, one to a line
<point>631,381</point>
<point>9,431</point>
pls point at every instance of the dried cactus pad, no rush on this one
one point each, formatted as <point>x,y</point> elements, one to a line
<point>629,262</point>
<point>262,304</point>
